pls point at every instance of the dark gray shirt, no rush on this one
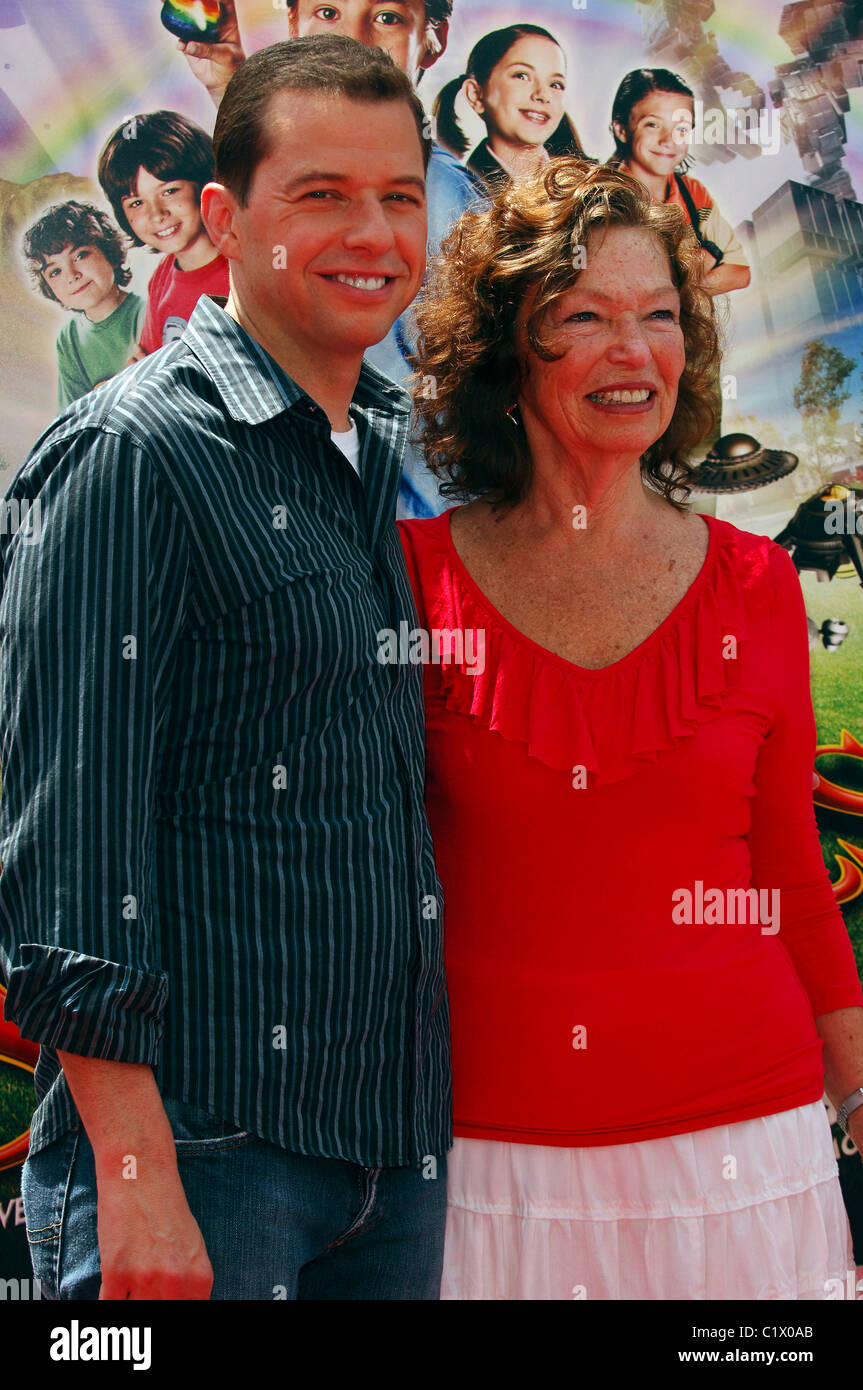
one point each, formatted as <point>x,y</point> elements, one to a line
<point>215,853</point>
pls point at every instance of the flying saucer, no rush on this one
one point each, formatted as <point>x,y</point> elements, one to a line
<point>737,463</point>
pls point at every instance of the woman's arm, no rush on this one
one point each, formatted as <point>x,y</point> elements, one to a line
<point>842,1034</point>
<point>785,849</point>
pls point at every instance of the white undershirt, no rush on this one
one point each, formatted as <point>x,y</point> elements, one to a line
<point>349,443</point>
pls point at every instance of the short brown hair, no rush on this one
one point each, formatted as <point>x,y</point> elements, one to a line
<point>467,318</point>
<point>329,63</point>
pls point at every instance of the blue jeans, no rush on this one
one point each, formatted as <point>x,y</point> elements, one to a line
<point>276,1225</point>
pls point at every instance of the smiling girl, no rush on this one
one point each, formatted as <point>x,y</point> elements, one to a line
<point>152,170</point>
<point>651,121</point>
<point>516,81</point>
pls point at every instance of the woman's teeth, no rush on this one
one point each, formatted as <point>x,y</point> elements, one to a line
<point>618,397</point>
<point>170,231</point>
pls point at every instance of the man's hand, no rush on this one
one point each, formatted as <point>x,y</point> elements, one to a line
<point>214,64</point>
<point>150,1244</point>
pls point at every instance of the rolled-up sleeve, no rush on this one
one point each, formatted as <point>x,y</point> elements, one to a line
<point>92,604</point>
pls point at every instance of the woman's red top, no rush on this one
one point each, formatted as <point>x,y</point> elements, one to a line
<point>573,810</point>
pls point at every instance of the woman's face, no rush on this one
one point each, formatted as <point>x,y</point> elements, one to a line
<point>659,132</point>
<point>522,102</point>
<point>614,388</point>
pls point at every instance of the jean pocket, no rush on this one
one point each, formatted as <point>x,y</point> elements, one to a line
<point>45,1181</point>
<point>196,1132</point>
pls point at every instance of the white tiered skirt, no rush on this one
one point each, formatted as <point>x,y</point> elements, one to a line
<point>751,1210</point>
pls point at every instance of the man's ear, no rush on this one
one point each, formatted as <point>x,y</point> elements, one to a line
<point>436,38</point>
<point>472,91</point>
<point>218,209</point>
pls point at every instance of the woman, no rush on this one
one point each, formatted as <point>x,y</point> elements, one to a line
<point>637,1038</point>
<point>651,121</point>
<point>516,81</point>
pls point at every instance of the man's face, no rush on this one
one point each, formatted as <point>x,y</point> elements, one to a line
<point>397,26</point>
<point>330,248</point>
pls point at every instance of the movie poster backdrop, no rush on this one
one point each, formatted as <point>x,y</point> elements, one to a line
<point>777,142</point>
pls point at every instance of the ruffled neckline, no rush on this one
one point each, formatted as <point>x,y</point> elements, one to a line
<point>613,720</point>
<point>589,672</point>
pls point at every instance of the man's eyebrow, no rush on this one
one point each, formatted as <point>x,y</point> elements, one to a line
<point>323,176</point>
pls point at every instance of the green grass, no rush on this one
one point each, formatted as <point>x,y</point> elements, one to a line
<point>837,695</point>
<point>17,1101</point>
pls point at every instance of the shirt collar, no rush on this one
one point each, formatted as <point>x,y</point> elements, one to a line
<point>251,383</point>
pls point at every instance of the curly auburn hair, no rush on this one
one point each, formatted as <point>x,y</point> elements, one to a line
<point>467,319</point>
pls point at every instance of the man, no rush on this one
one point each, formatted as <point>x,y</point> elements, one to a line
<point>414,33</point>
<point>219,909</point>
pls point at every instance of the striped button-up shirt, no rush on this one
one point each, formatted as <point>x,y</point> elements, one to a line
<point>215,856</point>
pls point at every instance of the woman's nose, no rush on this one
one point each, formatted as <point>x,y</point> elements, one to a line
<point>629,341</point>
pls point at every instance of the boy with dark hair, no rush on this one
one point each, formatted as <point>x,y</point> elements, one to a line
<point>219,910</point>
<point>152,169</point>
<point>76,257</point>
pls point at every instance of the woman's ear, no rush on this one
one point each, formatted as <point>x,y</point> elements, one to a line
<point>619,133</point>
<point>473,93</point>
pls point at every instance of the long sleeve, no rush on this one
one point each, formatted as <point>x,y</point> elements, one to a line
<point>783,839</point>
<point>89,616</point>
<point>715,228</point>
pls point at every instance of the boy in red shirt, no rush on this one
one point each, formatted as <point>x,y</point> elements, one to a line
<point>152,170</point>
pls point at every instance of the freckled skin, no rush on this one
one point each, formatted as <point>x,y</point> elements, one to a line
<point>592,595</point>
<point>609,331</point>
